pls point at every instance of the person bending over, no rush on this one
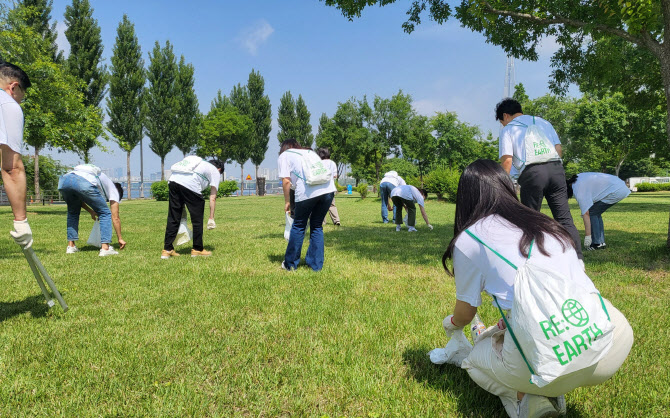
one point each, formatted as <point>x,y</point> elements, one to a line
<point>408,196</point>
<point>390,181</point>
<point>324,154</point>
<point>487,208</point>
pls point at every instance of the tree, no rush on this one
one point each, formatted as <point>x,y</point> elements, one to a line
<point>420,146</point>
<point>39,18</point>
<point>55,115</point>
<point>326,137</point>
<point>260,112</point>
<point>162,102</point>
<point>286,118</point>
<point>125,104</point>
<point>224,130</point>
<point>85,59</point>
<point>458,144</point>
<point>303,125</point>
<point>240,152</point>
<point>590,35</point>
<point>188,114</point>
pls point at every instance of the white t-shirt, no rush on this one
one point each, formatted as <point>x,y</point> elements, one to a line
<point>11,122</point>
<point>393,178</point>
<point>105,185</point>
<point>408,192</point>
<point>477,269</point>
<point>204,176</point>
<point>590,188</point>
<point>290,163</point>
<point>333,167</point>
<point>512,139</point>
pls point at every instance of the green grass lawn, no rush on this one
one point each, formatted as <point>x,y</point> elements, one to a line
<point>234,335</point>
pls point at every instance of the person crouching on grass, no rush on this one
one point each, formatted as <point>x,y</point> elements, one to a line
<point>187,189</point>
<point>489,217</point>
<point>311,203</point>
<point>407,196</point>
<point>89,188</point>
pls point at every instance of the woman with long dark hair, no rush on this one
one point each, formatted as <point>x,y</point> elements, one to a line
<point>493,231</point>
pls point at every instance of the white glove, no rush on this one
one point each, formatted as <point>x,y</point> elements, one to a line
<point>430,227</point>
<point>449,326</point>
<point>22,233</point>
<point>211,224</point>
<point>587,241</point>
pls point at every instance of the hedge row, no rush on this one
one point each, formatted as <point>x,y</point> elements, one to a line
<point>653,187</point>
<point>160,191</point>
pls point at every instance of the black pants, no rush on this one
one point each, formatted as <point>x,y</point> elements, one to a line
<point>547,180</point>
<point>195,203</point>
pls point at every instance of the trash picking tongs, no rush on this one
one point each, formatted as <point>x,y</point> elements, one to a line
<point>40,272</point>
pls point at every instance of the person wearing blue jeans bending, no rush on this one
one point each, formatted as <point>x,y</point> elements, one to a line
<point>390,181</point>
<point>595,193</point>
<point>312,202</point>
<point>88,188</point>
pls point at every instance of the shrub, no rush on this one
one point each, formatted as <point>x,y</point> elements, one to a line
<point>362,189</point>
<point>340,188</point>
<point>226,188</point>
<point>444,183</point>
<point>653,187</point>
<point>160,191</point>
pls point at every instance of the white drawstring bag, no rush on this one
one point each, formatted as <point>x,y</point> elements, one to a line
<point>184,235</point>
<point>456,350</point>
<point>289,225</point>
<point>94,238</point>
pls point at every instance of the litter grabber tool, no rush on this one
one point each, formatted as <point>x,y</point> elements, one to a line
<point>41,273</point>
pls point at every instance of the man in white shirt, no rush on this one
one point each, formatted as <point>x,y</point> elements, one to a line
<point>595,193</point>
<point>390,181</point>
<point>87,187</point>
<point>13,85</point>
<point>537,181</point>
<point>324,154</point>
<point>406,196</point>
<point>187,189</point>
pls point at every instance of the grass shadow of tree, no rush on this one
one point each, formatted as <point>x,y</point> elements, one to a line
<point>33,304</point>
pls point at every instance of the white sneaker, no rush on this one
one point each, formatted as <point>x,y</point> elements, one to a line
<point>397,228</point>
<point>71,250</point>
<point>110,251</point>
<point>411,229</point>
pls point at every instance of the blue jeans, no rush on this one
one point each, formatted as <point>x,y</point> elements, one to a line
<point>385,190</point>
<point>314,210</point>
<point>76,190</point>
<point>597,226</point>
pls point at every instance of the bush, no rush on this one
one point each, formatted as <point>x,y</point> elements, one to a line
<point>160,191</point>
<point>340,188</point>
<point>362,189</point>
<point>226,188</point>
<point>444,183</point>
<point>653,187</point>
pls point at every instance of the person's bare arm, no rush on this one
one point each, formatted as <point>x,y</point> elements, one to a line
<point>14,178</point>
<point>559,150</point>
<point>89,210</point>
<point>587,223</point>
<point>463,313</point>
<point>212,202</point>
<point>506,163</point>
<point>286,187</point>
<point>116,222</point>
<point>423,213</point>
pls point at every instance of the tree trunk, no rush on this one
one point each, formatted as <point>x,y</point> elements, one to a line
<point>162,168</point>
<point>37,173</point>
<point>141,172</point>
<point>241,179</point>
<point>128,174</point>
<point>256,180</point>
<point>665,76</point>
<point>87,156</point>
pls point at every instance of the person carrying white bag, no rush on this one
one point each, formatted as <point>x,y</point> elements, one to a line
<point>559,332</point>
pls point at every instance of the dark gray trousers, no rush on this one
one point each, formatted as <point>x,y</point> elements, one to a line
<point>547,180</point>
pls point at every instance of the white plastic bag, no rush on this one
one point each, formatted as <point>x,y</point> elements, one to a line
<point>94,238</point>
<point>289,225</point>
<point>456,350</point>
<point>184,235</point>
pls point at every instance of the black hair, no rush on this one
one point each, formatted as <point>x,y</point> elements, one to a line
<point>15,73</point>
<point>324,153</point>
<point>218,164</point>
<point>569,183</point>
<point>423,192</point>
<point>119,188</point>
<point>288,144</point>
<point>509,106</point>
<point>486,189</point>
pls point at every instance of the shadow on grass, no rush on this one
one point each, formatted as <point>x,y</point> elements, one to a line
<point>473,401</point>
<point>36,305</point>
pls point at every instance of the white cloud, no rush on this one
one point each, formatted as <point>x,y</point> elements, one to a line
<point>253,37</point>
<point>428,107</point>
<point>61,40</point>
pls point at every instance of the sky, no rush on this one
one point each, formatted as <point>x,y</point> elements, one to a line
<point>310,49</point>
